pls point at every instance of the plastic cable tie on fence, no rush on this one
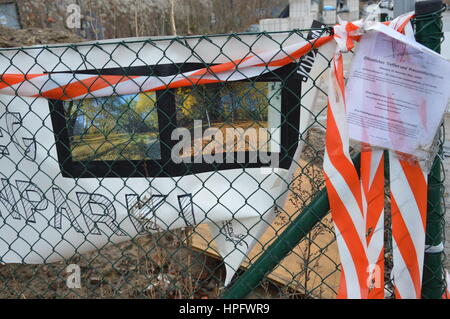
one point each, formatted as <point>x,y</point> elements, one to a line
<point>434,249</point>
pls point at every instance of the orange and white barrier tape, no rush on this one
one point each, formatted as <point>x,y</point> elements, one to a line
<point>372,181</point>
<point>406,267</point>
<point>75,86</point>
<point>357,203</point>
<point>409,207</point>
<point>343,185</point>
<point>408,183</point>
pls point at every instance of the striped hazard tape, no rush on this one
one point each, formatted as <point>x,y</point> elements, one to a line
<point>75,86</point>
<point>357,202</point>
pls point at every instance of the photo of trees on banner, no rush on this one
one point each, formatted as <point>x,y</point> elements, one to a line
<point>127,127</point>
<point>237,112</point>
<point>114,128</point>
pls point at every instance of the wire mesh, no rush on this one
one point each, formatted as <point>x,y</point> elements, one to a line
<point>429,31</point>
<point>135,129</point>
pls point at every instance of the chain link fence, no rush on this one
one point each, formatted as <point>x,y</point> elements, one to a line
<point>122,138</point>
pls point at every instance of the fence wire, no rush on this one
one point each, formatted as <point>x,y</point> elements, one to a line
<point>113,137</point>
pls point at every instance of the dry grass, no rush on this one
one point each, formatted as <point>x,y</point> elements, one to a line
<point>152,266</point>
<point>115,146</point>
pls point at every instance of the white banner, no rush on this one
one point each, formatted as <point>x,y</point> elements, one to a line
<point>48,214</point>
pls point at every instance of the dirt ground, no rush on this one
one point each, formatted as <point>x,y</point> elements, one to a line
<point>159,266</point>
<point>31,36</point>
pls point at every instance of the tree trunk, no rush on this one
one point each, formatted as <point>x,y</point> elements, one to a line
<point>173,27</point>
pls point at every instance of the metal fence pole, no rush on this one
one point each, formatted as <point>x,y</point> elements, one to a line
<point>283,245</point>
<point>428,26</point>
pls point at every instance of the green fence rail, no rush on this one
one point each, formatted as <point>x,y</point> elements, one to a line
<point>96,140</point>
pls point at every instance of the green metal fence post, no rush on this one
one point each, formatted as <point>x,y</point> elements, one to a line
<point>428,26</point>
<point>432,287</point>
<point>283,245</point>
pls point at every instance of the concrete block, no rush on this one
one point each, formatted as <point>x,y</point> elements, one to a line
<point>300,23</point>
<point>299,8</point>
<point>349,16</point>
<point>329,16</point>
<point>329,3</point>
<point>353,5</point>
<point>279,24</point>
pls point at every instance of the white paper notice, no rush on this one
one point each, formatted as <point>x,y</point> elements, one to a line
<point>396,94</point>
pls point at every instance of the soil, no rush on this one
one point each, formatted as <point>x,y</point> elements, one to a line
<point>10,38</point>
